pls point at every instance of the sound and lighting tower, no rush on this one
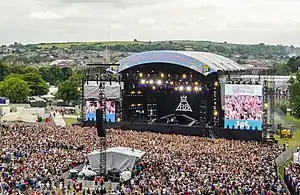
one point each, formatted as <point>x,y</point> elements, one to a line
<point>99,73</point>
<point>102,135</point>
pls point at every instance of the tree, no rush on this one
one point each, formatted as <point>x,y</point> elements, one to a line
<point>15,89</point>
<point>4,70</point>
<point>281,69</point>
<point>294,63</point>
<point>30,69</point>
<point>65,73</point>
<point>294,98</point>
<point>36,84</point>
<point>17,69</point>
<point>68,90</point>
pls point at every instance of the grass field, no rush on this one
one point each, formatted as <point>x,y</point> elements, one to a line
<point>289,118</point>
<point>294,141</point>
<point>70,121</point>
<point>68,44</point>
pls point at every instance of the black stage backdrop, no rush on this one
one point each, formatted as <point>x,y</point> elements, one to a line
<point>200,104</point>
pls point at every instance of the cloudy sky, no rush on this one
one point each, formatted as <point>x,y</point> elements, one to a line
<point>238,21</point>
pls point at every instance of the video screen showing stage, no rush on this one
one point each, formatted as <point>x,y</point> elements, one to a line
<point>92,106</point>
<point>243,106</point>
<point>110,111</point>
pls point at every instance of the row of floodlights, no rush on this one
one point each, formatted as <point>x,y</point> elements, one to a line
<point>160,82</point>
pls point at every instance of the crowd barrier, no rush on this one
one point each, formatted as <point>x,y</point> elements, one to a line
<point>285,157</point>
<point>109,186</point>
<point>281,160</point>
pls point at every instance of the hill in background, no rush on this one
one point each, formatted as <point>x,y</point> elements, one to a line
<point>227,49</point>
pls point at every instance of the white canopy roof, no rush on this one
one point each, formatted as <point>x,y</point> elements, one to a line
<point>119,158</point>
<point>21,116</point>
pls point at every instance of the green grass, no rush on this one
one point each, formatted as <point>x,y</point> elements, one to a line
<point>290,118</point>
<point>68,44</point>
<point>294,141</point>
<point>70,121</point>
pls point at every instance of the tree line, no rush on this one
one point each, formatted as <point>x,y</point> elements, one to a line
<point>285,69</point>
<point>258,51</point>
<point>20,82</point>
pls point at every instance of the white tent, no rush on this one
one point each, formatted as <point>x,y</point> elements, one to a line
<point>21,116</point>
<point>120,158</point>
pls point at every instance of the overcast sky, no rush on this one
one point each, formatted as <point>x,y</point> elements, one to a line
<point>238,21</point>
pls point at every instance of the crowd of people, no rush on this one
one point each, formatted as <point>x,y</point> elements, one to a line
<point>292,177</point>
<point>34,157</point>
<point>243,107</point>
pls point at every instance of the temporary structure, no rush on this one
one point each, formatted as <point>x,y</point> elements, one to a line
<point>120,158</point>
<point>21,116</point>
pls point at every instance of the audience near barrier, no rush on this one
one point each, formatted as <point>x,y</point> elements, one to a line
<point>292,178</point>
<point>34,157</point>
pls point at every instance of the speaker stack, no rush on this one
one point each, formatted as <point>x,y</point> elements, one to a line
<point>99,123</point>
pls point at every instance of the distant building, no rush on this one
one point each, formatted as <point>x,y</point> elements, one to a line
<point>62,63</point>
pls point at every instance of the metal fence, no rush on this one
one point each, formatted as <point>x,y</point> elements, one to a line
<point>281,160</point>
<point>285,156</point>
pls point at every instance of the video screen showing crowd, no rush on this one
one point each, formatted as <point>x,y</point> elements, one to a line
<point>243,106</point>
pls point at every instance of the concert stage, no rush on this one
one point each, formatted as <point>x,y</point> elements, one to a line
<point>234,134</point>
<point>205,88</point>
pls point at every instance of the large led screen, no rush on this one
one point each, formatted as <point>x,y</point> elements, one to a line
<point>110,114</point>
<point>92,106</point>
<point>90,110</point>
<point>243,106</point>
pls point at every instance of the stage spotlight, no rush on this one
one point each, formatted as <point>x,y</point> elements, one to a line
<point>176,88</point>
<point>181,88</point>
<point>196,88</point>
<point>151,82</point>
<point>215,113</point>
<point>162,75</point>
<point>159,82</point>
<point>118,120</point>
<point>139,92</point>
<point>132,92</point>
<point>153,87</point>
<point>171,82</point>
<point>216,84</point>
<point>188,88</point>
<point>184,76</point>
<point>143,81</point>
<point>141,74</point>
<point>196,83</point>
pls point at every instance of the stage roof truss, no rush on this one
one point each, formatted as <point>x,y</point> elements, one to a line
<point>202,62</point>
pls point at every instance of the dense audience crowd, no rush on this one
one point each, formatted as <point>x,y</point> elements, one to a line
<point>33,157</point>
<point>243,107</point>
<point>176,164</point>
<point>292,177</point>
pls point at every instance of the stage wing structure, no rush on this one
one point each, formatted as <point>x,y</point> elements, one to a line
<point>120,158</point>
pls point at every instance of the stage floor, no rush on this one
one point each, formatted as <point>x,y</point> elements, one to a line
<point>235,134</point>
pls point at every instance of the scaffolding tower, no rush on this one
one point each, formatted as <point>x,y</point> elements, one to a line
<point>102,147</point>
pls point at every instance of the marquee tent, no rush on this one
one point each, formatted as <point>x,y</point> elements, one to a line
<point>21,116</point>
<point>120,158</point>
